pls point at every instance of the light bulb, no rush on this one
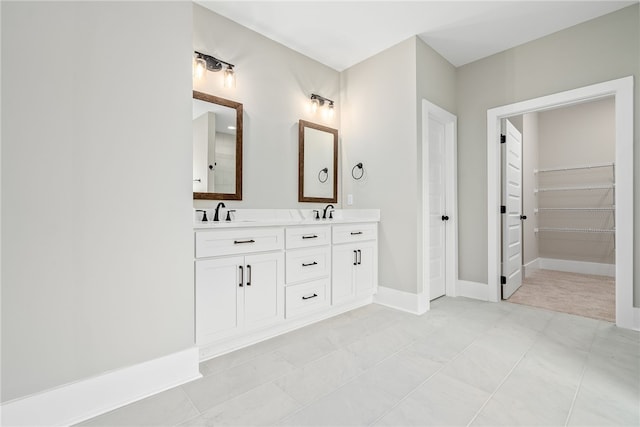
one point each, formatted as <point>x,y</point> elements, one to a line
<point>199,68</point>
<point>330,110</point>
<point>229,78</point>
<point>314,105</point>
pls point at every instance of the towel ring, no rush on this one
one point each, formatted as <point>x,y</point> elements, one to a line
<point>326,173</point>
<point>353,171</point>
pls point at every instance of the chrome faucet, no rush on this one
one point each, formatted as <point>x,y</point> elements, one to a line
<point>215,216</point>
<point>324,213</point>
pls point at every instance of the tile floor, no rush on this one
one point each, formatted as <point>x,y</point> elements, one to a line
<point>465,362</point>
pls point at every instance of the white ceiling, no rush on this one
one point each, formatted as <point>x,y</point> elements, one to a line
<point>342,33</point>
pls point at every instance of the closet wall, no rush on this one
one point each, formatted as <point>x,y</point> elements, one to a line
<point>581,135</point>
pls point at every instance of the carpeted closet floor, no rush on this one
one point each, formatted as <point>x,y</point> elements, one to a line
<point>581,294</point>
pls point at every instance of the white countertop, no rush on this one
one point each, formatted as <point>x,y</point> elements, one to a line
<point>242,218</point>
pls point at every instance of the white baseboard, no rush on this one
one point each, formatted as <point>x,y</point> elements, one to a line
<point>583,267</point>
<point>475,290</point>
<point>84,399</point>
<point>400,300</point>
<point>531,267</point>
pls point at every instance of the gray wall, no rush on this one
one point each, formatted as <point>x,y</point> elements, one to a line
<point>599,50</point>
<point>274,84</point>
<point>381,127</point>
<point>96,189</point>
<point>436,82</point>
<point>379,130</point>
<point>577,135</point>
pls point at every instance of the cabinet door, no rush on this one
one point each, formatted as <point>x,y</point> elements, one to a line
<point>264,289</point>
<point>367,268</point>
<point>342,279</point>
<point>218,293</point>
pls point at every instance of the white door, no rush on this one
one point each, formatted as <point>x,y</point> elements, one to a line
<point>511,221</point>
<point>437,208</point>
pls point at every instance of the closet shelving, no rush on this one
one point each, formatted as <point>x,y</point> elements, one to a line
<point>568,209</point>
<point>577,188</point>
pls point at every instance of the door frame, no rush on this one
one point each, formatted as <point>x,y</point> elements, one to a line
<point>627,315</point>
<point>430,109</point>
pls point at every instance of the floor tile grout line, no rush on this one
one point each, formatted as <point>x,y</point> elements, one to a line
<point>420,385</point>
<point>584,369</point>
<point>515,365</point>
<point>435,373</point>
<point>192,404</point>
<point>246,391</point>
<point>351,379</point>
<point>272,381</point>
<point>275,349</point>
<point>200,413</point>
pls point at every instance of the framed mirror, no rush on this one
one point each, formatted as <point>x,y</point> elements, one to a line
<point>317,163</point>
<point>217,148</point>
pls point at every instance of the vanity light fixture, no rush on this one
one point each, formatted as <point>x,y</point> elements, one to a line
<point>203,62</point>
<point>318,101</point>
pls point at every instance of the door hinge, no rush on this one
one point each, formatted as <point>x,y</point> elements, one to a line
<point>503,139</point>
<point>503,209</point>
<point>503,280</point>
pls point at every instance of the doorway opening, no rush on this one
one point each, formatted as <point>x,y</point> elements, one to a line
<point>621,90</point>
<point>565,216</point>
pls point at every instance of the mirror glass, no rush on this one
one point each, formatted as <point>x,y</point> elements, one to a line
<point>318,163</point>
<point>217,148</point>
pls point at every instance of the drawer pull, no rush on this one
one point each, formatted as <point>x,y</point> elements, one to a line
<point>310,237</point>
<point>355,233</point>
<point>309,264</point>
<point>312,296</point>
<point>238,242</point>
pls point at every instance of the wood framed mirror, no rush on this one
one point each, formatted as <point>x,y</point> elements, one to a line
<point>317,163</point>
<point>217,148</point>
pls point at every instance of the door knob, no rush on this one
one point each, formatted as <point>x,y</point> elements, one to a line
<point>445,217</point>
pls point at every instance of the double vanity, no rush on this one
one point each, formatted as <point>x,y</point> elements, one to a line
<point>269,271</point>
<point>263,272</point>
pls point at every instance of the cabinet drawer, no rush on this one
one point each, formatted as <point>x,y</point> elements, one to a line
<point>305,264</point>
<point>304,237</point>
<point>346,233</point>
<point>306,297</point>
<point>238,241</point>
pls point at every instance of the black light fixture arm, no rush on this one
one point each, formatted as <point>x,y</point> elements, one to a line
<point>213,63</point>
<point>321,99</point>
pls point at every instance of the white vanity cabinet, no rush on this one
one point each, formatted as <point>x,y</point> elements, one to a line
<point>272,271</point>
<point>240,293</point>
<point>355,261</point>
<point>308,269</point>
